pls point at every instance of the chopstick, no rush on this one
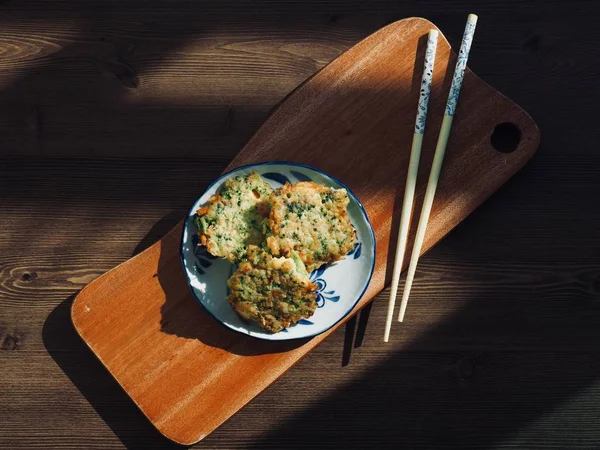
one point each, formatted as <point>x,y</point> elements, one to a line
<point>440,150</point>
<point>413,168</point>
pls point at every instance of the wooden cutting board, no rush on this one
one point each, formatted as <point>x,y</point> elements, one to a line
<point>353,119</point>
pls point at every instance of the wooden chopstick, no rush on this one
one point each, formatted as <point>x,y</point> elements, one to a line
<point>438,159</point>
<point>413,168</point>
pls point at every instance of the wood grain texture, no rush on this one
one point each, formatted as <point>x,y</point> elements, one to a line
<point>184,370</point>
<point>104,79</point>
<point>500,344</point>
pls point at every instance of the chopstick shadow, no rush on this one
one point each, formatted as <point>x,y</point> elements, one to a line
<point>354,332</point>
<point>95,383</point>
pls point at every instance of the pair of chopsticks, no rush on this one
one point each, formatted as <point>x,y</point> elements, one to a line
<point>413,165</point>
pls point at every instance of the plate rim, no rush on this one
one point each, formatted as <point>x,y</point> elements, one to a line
<point>287,163</point>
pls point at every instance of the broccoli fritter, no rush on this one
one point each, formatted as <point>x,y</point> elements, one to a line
<point>235,217</point>
<point>311,220</point>
<point>274,292</point>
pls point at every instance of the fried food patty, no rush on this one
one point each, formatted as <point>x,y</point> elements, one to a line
<point>235,217</point>
<point>311,220</point>
<point>274,292</point>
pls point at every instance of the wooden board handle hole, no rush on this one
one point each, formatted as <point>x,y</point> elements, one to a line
<point>506,137</point>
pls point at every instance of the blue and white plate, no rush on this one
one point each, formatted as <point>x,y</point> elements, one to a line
<point>341,284</point>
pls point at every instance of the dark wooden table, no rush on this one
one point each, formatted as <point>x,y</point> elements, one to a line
<point>115,115</point>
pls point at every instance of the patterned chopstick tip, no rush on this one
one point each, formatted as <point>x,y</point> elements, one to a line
<point>461,64</point>
<point>426,80</point>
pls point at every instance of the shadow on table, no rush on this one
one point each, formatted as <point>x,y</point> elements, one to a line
<point>96,384</point>
<point>158,230</point>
